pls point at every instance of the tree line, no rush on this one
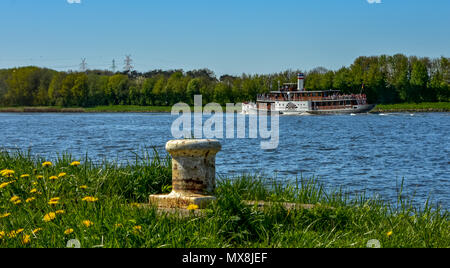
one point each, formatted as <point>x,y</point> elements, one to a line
<point>384,79</point>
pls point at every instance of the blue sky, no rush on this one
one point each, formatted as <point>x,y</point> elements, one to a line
<point>232,36</point>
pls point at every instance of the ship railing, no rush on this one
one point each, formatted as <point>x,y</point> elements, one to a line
<point>332,107</point>
<point>362,98</point>
<point>345,97</point>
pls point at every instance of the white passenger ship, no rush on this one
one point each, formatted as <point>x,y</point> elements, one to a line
<point>293,99</point>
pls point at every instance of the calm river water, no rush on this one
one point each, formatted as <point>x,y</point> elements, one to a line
<point>371,153</point>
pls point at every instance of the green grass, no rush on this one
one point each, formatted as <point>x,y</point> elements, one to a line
<point>98,109</point>
<point>228,223</point>
<point>421,107</point>
<point>41,109</point>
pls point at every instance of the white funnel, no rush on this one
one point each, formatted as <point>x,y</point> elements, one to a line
<point>301,82</point>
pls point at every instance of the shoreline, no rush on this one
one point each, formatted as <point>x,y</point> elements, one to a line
<point>396,108</point>
<point>112,109</point>
<point>410,111</point>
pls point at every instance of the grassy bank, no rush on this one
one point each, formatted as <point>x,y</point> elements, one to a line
<point>414,107</point>
<point>98,109</point>
<point>52,109</point>
<point>47,205</point>
<point>129,109</point>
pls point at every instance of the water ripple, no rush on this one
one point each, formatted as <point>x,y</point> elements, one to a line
<point>372,153</point>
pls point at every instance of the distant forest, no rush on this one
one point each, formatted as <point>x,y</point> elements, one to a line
<point>384,79</point>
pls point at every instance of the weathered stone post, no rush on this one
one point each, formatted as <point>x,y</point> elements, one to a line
<point>193,174</point>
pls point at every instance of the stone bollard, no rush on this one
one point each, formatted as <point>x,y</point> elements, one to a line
<point>193,174</point>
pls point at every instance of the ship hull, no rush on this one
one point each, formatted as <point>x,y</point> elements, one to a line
<point>358,109</point>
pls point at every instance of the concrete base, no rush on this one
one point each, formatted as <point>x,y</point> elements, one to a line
<point>174,200</point>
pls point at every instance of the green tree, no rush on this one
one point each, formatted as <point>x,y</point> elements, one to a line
<point>65,97</point>
<point>147,97</point>
<point>419,81</point>
<point>157,92</point>
<point>398,77</point>
<point>54,89</point>
<point>193,89</point>
<point>342,80</point>
<point>80,90</point>
<point>118,86</point>
<point>222,93</point>
<point>23,85</point>
<point>326,81</point>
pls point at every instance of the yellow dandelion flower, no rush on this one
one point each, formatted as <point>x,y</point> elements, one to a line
<point>26,239</point>
<point>84,187</point>
<point>53,203</point>
<point>35,231</point>
<point>3,185</point>
<point>5,215</point>
<point>39,177</point>
<point>192,207</point>
<point>7,173</point>
<point>49,217</point>
<point>17,202</point>
<point>24,176</point>
<point>90,199</point>
<point>60,212</point>
<point>53,178</point>
<point>2,234</point>
<point>75,164</point>
<point>35,183</point>
<point>62,174</point>
<point>47,164</point>
<point>389,234</point>
<point>33,191</point>
<point>68,231</point>
<point>137,228</point>
<point>31,199</point>
<point>136,205</point>
<point>13,234</point>
<point>14,198</point>
<point>87,223</point>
